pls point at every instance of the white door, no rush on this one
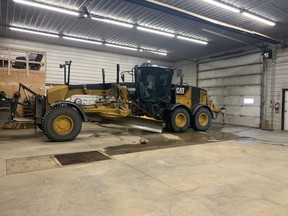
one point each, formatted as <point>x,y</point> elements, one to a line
<point>286,111</point>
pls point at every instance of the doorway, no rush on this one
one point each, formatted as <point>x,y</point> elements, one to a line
<point>285,110</point>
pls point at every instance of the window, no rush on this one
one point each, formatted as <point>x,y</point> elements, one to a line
<point>248,101</point>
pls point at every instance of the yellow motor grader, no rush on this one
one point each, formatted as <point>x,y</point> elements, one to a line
<point>150,102</point>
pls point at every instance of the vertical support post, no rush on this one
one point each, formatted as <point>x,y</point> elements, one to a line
<point>27,64</point>
<point>118,73</point>
<point>273,89</point>
<point>68,78</point>
<point>103,76</point>
<point>197,73</point>
<point>9,61</point>
<point>65,78</point>
<point>181,79</point>
<point>45,63</point>
<point>117,83</point>
<point>263,92</point>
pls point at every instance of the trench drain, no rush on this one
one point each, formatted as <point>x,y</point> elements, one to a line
<point>43,162</point>
<point>80,157</point>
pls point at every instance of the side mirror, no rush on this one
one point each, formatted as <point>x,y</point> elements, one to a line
<point>61,65</point>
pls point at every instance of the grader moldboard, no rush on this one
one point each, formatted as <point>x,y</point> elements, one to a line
<point>150,102</point>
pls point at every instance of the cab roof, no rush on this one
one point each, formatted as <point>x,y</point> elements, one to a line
<point>149,65</point>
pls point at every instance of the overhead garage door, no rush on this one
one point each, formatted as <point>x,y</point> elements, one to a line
<point>231,81</point>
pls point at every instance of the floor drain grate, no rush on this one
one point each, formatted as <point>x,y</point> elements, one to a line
<point>80,157</point>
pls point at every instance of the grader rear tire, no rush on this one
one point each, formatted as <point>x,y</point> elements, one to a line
<point>62,124</point>
<point>201,121</point>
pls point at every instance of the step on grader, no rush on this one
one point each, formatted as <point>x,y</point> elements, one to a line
<point>150,102</point>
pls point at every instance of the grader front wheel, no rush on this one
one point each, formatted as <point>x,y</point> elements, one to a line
<point>179,120</point>
<point>62,124</point>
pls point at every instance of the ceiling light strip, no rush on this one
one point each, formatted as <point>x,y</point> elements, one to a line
<point>222,5</point>
<point>158,53</point>
<point>244,13</point>
<point>47,7</point>
<point>192,40</point>
<point>155,31</point>
<point>87,41</point>
<point>113,22</point>
<point>121,47</point>
<point>82,40</point>
<point>34,32</point>
<point>252,16</point>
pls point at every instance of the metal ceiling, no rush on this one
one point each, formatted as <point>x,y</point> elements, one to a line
<point>13,14</point>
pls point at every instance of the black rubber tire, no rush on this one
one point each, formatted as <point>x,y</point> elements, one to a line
<point>195,123</point>
<point>172,125</point>
<point>40,126</point>
<point>167,121</point>
<point>192,122</point>
<point>66,112</point>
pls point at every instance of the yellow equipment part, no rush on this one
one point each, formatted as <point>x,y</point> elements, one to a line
<point>63,125</point>
<point>185,98</point>
<point>61,93</point>
<point>180,120</point>
<point>118,107</point>
<point>114,110</point>
<point>203,119</point>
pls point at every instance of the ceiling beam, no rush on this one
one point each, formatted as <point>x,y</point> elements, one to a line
<point>169,9</point>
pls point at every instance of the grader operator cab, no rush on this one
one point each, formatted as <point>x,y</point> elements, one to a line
<point>178,106</point>
<point>149,103</point>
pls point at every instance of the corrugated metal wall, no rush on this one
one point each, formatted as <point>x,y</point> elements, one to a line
<point>189,70</point>
<point>231,80</point>
<point>276,81</point>
<point>86,64</point>
<point>228,81</point>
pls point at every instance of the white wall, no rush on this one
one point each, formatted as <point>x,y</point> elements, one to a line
<point>86,64</point>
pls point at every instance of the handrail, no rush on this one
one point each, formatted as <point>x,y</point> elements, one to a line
<point>22,50</point>
<point>9,54</point>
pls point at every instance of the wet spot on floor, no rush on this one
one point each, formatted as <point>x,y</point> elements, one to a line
<point>170,140</point>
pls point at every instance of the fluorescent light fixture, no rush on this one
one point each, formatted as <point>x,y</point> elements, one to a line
<point>192,40</point>
<point>158,53</point>
<point>222,5</point>
<point>47,7</point>
<point>82,40</point>
<point>155,31</point>
<point>113,22</point>
<point>259,19</point>
<point>34,32</point>
<point>121,47</point>
<point>164,53</point>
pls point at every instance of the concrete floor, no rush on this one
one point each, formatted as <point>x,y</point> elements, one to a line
<point>226,171</point>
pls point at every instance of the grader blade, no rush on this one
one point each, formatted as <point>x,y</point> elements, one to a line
<point>141,123</point>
